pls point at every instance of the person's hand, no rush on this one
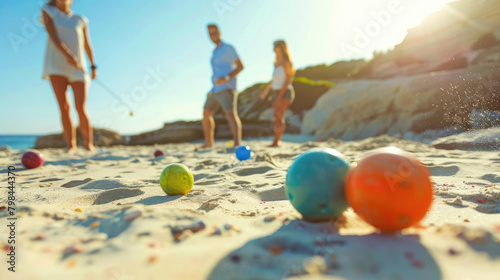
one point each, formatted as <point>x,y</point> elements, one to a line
<point>93,73</point>
<point>220,81</point>
<point>71,58</point>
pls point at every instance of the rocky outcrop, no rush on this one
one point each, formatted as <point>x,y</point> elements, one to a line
<point>449,39</point>
<point>178,132</point>
<point>307,92</point>
<point>170,133</point>
<point>102,138</point>
<point>365,108</point>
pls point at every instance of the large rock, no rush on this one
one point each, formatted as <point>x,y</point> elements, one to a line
<point>255,129</point>
<point>364,108</point>
<point>102,138</point>
<point>251,108</point>
<point>171,133</point>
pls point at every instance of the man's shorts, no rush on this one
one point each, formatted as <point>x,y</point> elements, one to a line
<point>227,98</point>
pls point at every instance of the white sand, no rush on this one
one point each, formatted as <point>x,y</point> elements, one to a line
<point>252,231</point>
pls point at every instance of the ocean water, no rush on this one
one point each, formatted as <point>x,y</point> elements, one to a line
<point>18,142</point>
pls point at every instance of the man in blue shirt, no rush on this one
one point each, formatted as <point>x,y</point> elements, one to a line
<point>225,66</point>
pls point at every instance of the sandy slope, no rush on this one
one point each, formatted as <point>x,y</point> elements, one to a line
<point>252,232</point>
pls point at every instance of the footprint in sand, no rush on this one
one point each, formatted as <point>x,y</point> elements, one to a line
<point>200,176</point>
<point>113,184</point>
<point>76,183</point>
<point>106,196</point>
<point>195,193</point>
<point>50,180</point>
<point>209,162</point>
<point>274,175</point>
<point>225,167</point>
<point>242,182</point>
<point>207,182</point>
<point>253,171</point>
<point>209,205</point>
<point>116,194</point>
<point>216,176</point>
<point>273,194</point>
<point>491,178</point>
<point>444,170</point>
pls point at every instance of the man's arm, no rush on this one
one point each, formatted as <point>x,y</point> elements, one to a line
<point>239,68</point>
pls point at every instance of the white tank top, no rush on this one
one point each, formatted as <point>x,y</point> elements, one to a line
<point>279,78</point>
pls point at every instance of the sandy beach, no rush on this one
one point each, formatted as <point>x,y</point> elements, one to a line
<point>237,223</point>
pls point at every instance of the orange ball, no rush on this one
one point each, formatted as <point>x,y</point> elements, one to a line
<point>389,189</point>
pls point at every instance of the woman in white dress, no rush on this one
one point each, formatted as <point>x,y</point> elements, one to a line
<point>65,65</point>
<point>282,93</point>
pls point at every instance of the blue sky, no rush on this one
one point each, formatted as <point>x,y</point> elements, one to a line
<point>155,53</point>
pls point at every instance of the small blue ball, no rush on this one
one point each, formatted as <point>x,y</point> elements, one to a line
<point>315,184</point>
<point>243,153</point>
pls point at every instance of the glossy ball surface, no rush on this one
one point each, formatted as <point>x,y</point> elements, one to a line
<point>176,179</point>
<point>389,189</point>
<point>315,184</point>
<point>243,153</point>
<point>32,159</point>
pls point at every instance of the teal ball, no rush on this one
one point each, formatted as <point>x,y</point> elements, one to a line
<point>315,184</point>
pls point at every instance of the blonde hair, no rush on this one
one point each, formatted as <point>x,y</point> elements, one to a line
<point>281,44</point>
<point>52,3</point>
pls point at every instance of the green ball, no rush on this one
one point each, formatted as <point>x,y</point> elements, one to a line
<point>176,179</point>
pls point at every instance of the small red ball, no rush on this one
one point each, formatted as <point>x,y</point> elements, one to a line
<point>158,153</point>
<point>32,160</point>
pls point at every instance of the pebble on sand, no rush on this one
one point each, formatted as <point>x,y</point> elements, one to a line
<point>269,218</point>
<point>276,250</point>
<point>153,258</point>
<point>130,216</point>
<point>74,249</point>
<point>72,263</point>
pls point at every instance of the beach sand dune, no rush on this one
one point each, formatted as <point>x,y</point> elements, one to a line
<point>237,222</point>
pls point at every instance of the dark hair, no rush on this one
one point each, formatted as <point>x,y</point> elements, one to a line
<point>51,3</point>
<point>212,25</point>
<point>284,49</point>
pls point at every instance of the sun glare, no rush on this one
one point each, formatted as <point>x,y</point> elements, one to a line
<point>421,9</point>
<point>382,24</point>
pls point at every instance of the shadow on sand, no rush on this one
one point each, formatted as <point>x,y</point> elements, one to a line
<point>299,247</point>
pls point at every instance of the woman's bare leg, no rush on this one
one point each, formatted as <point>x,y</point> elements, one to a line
<point>59,85</point>
<point>80,93</point>
<point>279,121</point>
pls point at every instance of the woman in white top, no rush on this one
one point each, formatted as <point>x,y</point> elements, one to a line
<point>65,65</point>
<point>282,93</point>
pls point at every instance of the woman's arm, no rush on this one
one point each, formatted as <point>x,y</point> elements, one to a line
<point>51,30</point>
<point>88,50</point>
<point>265,91</point>
<point>290,72</point>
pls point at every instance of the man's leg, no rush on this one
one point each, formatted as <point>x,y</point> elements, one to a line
<point>235,124</point>
<point>208,128</point>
